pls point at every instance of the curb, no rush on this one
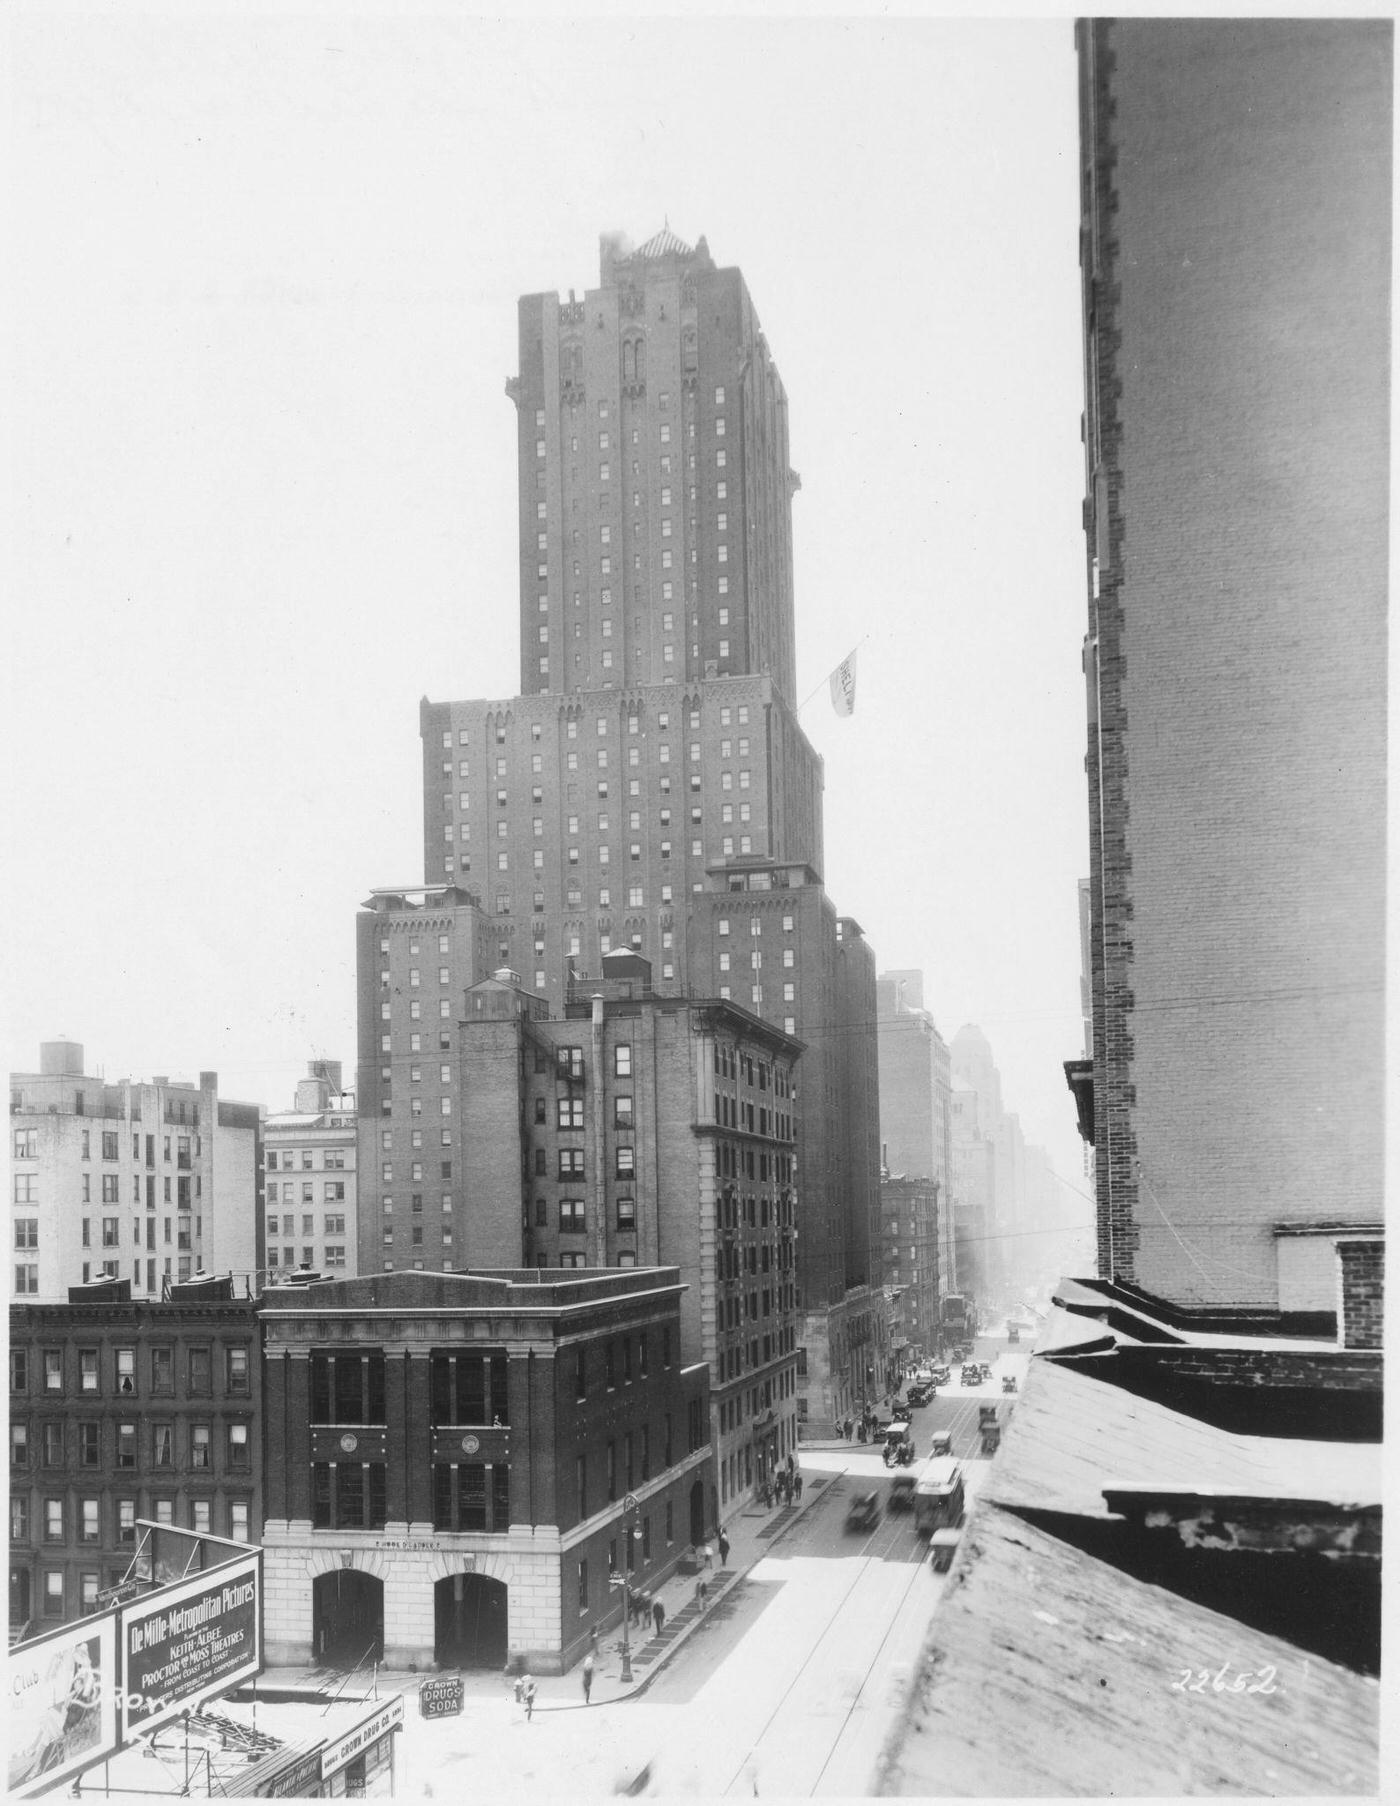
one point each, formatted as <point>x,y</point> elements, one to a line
<point>809,1492</point>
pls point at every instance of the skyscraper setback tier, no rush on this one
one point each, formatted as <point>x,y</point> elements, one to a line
<point>655,520</point>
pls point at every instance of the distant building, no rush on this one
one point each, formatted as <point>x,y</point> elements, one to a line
<point>124,1410</point>
<point>916,1100</point>
<point>1236,234</point>
<point>457,1463</point>
<point>909,1210</point>
<point>310,1174</point>
<point>143,1180</point>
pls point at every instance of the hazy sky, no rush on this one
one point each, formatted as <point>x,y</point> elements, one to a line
<point>263,277</point>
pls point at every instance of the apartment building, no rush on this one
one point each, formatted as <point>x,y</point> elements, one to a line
<point>310,1178</point>
<point>125,1409</point>
<point>143,1180</point>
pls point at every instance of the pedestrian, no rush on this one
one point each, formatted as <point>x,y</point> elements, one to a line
<point>792,1465</point>
<point>707,1555</point>
<point>797,1484</point>
<point>641,1605</point>
<point>723,1550</point>
<point>587,1677</point>
<point>702,1592</point>
<point>520,1689</point>
<point>593,1640</point>
<point>529,1689</point>
<point>658,1615</point>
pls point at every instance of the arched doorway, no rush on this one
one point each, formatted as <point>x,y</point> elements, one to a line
<point>697,1512</point>
<point>347,1618</point>
<point>470,1621</point>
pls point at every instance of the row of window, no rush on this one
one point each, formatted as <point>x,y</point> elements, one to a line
<point>332,1256</point>
<point>332,1159</point>
<point>25,1146</point>
<point>53,1370</point>
<point>185,1191</point>
<point>229,1517</point>
<point>196,1445</point>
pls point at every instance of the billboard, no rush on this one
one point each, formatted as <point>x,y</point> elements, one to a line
<point>201,1636</point>
<point>62,1704</point>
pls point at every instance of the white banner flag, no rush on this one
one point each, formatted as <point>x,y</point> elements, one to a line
<point>843,686</point>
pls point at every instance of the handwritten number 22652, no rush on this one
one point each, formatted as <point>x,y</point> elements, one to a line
<point>1201,1680</point>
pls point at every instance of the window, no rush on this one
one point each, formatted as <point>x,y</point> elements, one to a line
<point>622,1060</point>
<point>201,1371</point>
<point>570,1112</point>
<point>200,1518</point>
<point>126,1369</point>
<point>87,1370</point>
<point>19,1519</point>
<point>163,1445</point>
<point>53,1521</point>
<point>239,1461</point>
<point>53,1592</point>
<point>19,1445</point>
<point>90,1531</point>
<point>199,1445</point>
<point>626,1163</point>
<point>627,1215</point>
<point>163,1371</point>
<point>571,1216</point>
<point>89,1444</point>
<point>126,1520</point>
<point>238,1520</point>
<point>571,1163</point>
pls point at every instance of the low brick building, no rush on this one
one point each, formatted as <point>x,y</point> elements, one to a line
<point>121,1411</point>
<point>457,1462</point>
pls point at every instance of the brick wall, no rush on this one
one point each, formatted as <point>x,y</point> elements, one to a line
<point>1361,1286</point>
<point>1237,230</point>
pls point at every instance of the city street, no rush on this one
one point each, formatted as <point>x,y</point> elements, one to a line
<point>787,1685</point>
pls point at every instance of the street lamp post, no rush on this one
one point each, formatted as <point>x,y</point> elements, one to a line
<point>630,1535</point>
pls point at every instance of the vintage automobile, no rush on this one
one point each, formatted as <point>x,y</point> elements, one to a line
<point>864,1513</point>
<point>899,1445</point>
<point>901,1412</point>
<point>918,1395</point>
<point>941,1444</point>
<point>902,1489</point>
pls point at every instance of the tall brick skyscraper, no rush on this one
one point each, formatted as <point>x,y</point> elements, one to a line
<point>651,789</point>
<point>1236,238</point>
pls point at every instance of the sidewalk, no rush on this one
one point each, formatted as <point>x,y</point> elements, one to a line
<point>751,1533</point>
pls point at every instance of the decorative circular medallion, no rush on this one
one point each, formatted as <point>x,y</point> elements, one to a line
<point>349,1443</point>
<point>470,1444</point>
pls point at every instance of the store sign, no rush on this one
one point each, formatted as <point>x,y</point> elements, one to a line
<point>62,1704</point>
<point>369,1731</point>
<point>195,1638</point>
<point>441,1698</point>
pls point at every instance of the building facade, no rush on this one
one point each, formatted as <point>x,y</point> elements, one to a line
<point>1236,233</point>
<point>147,1181</point>
<point>655,518</point>
<point>125,1410</point>
<point>651,784</point>
<point>310,1179</point>
<point>636,1129</point>
<point>458,1463</point>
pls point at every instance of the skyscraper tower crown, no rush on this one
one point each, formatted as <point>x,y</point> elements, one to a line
<point>655,490</point>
